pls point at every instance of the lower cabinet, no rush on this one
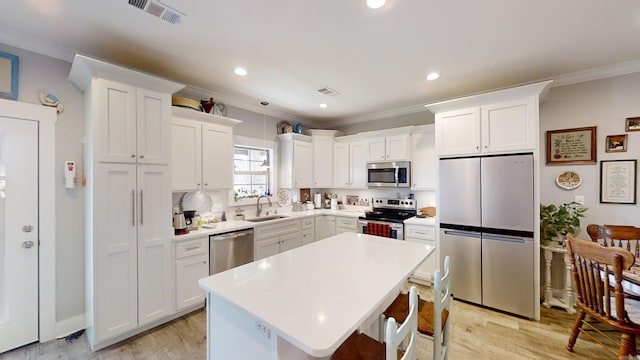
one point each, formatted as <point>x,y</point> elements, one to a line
<point>325,226</point>
<point>192,264</point>
<point>423,234</point>
<point>274,239</point>
<point>307,232</point>
<point>344,224</point>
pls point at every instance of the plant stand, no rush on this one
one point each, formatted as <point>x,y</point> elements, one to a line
<point>567,300</point>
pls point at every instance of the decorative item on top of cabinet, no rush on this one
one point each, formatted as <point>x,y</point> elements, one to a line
<point>296,161</point>
<point>202,148</point>
<point>497,122</point>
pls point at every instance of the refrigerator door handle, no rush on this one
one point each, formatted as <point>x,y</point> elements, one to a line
<point>463,233</point>
<point>505,239</point>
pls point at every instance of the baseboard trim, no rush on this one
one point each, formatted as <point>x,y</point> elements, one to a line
<point>69,326</point>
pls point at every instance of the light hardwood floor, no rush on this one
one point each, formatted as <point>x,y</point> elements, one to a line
<point>477,333</point>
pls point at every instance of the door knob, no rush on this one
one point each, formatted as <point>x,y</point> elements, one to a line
<point>27,228</point>
<point>27,244</point>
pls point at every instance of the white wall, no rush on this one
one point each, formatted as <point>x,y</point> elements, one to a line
<point>38,72</point>
<point>603,103</point>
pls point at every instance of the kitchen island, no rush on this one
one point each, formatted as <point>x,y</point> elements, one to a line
<point>303,303</point>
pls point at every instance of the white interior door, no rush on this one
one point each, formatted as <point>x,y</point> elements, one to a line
<point>18,233</point>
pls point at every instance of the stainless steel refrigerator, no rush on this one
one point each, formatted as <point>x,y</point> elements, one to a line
<point>486,225</point>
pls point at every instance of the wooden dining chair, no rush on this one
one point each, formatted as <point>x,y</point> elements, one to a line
<point>361,347</point>
<point>591,265</point>
<point>624,236</point>
<point>429,313</point>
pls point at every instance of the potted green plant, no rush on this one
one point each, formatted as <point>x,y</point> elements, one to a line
<point>558,221</point>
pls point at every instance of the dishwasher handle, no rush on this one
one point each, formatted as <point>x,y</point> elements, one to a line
<point>231,235</point>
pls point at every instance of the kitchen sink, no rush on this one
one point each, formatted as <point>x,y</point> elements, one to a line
<point>267,218</point>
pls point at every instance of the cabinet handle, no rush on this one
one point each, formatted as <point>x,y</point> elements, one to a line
<point>477,147</point>
<point>192,248</point>
<point>204,262</point>
<point>485,146</point>
<point>205,184</point>
<point>198,184</point>
<point>133,207</point>
<point>141,207</point>
<point>133,155</point>
<point>141,156</point>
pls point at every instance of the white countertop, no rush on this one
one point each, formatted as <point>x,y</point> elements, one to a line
<point>233,225</point>
<point>429,221</point>
<point>316,295</point>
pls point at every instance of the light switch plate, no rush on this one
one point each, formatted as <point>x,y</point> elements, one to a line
<point>579,199</point>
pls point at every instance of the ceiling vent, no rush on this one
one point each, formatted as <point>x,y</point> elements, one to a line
<point>159,10</point>
<point>328,91</point>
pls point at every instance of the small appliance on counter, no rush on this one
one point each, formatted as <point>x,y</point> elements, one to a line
<point>179,224</point>
<point>191,218</point>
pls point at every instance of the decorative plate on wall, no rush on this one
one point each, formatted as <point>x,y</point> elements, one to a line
<point>569,180</point>
<point>283,197</point>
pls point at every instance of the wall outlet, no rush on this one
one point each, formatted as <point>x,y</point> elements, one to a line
<point>579,199</point>
<point>263,330</point>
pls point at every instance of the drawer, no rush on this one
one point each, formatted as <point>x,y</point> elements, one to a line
<point>347,223</point>
<point>420,232</point>
<point>307,223</point>
<point>192,247</point>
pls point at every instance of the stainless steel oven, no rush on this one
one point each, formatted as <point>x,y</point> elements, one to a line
<point>387,217</point>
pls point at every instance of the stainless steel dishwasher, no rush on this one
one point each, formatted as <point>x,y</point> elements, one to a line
<point>229,250</point>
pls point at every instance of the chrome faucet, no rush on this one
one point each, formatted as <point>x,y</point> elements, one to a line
<point>259,207</point>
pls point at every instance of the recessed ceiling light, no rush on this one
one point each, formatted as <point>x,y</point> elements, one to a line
<point>240,71</point>
<point>375,4</point>
<point>323,106</point>
<point>433,76</point>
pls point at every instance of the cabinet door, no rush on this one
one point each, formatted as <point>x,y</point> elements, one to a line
<point>376,149</point>
<point>341,168</point>
<point>186,155</point>
<point>346,225</point>
<point>115,128</point>
<point>458,132</point>
<point>325,226</point>
<point>217,157</point>
<point>425,160</point>
<point>155,275</point>
<point>302,164</point>
<point>290,241</point>
<point>424,272</point>
<point>397,147</point>
<point>509,125</point>
<point>188,271</point>
<point>358,164</point>
<point>153,123</point>
<point>307,236</point>
<point>115,282</point>
<point>267,247</point>
<point>322,161</point>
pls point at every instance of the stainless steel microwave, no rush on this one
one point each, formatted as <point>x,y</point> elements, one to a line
<point>392,174</point>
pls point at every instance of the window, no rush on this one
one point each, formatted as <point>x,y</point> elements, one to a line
<point>251,172</point>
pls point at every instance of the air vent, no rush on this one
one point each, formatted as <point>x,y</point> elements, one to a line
<point>159,10</point>
<point>328,91</point>
<point>140,4</point>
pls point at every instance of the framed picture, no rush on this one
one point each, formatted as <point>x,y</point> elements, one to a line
<point>618,181</point>
<point>616,143</point>
<point>571,146</point>
<point>632,124</point>
<point>8,76</point>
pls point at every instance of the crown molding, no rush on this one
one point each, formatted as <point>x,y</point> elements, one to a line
<point>35,45</point>
<point>377,116</point>
<point>603,72</point>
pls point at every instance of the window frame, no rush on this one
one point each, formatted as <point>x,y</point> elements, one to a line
<point>259,144</point>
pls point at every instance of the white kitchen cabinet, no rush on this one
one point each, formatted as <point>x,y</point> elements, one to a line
<point>202,151</point>
<point>131,250</point>
<point>349,161</point>
<point>307,232</point>
<point>423,234</point>
<point>322,161</point>
<point>192,264</point>
<point>499,122</point>
<point>296,161</point>
<point>129,262</point>
<point>273,239</point>
<point>132,124</point>
<point>346,224</point>
<point>425,160</point>
<point>390,148</point>
<point>325,226</point>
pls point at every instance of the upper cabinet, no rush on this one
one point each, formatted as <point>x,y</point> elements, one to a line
<point>396,147</point>
<point>202,151</point>
<point>296,161</point>
<point>425,160</point>
<point>498,122</point>
<point>349,161</point>
<point>322,141</point>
